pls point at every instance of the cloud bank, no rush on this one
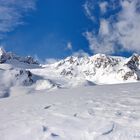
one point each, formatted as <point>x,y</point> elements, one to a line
<point>119,30</point>
<point>12,12</point>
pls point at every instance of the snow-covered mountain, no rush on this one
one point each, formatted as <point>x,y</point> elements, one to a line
<point>97,69</point>
<point>100,68</point>
<point>7,56</point>
<point>67,73</point>
<point>63,101</point>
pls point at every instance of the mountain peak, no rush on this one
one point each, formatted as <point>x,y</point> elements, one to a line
<point>5,56</point>
<point>100,68</point>
<point>2,51</point>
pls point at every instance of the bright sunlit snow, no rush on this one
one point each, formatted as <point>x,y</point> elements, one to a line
<point>86,113</point>
<point>70,99</point>
<point>77,72</point>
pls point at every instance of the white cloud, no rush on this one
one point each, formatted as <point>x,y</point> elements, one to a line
<point>89,7</point>
<point>103,6</point>
<point>128,25</point>
<point>51,61</point>
<point>104,27</point>
<point>125,30</point>
<point>69,46</point>
<point>11,13</point>
<point>98,44</point>
<point>80,53</point>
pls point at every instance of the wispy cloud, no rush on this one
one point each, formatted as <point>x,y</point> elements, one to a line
<point>69,46</point>
<point>80,53</point>
<point>103,6</point>
<point>99,44</point>
<point>12,12</point>
<point>50,61</point>
<point>89,7</point>
<point>124,31</point>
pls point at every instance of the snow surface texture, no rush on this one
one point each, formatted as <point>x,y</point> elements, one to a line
<point>87,113</point>
<point>65,101</point>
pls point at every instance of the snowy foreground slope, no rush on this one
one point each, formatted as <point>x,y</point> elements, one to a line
<point>86,113</point>
<point>70,99</point>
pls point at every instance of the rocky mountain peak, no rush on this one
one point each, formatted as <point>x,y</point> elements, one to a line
<point>100,67</point>
<point>5,56</point>
<point>133,62</point>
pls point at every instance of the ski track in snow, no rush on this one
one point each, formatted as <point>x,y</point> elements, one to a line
<point>86,113</point>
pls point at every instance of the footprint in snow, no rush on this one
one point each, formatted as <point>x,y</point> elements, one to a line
<point>75,115</point>
<point>118,113</point>
<point>54,135</point>
<point>47,107</point>
<point>48,132</point>
<point>91,112</point>
<point>109,130</point>
<point>45,128</point>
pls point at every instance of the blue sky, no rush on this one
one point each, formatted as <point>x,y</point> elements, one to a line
<point>57,29</point>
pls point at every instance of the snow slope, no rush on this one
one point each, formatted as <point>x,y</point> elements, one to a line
<point>87,113</point>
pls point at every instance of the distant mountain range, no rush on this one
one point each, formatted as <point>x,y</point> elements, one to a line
<point>67,73</point>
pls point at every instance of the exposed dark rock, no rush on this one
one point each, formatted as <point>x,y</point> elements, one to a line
<point>133,63</point>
